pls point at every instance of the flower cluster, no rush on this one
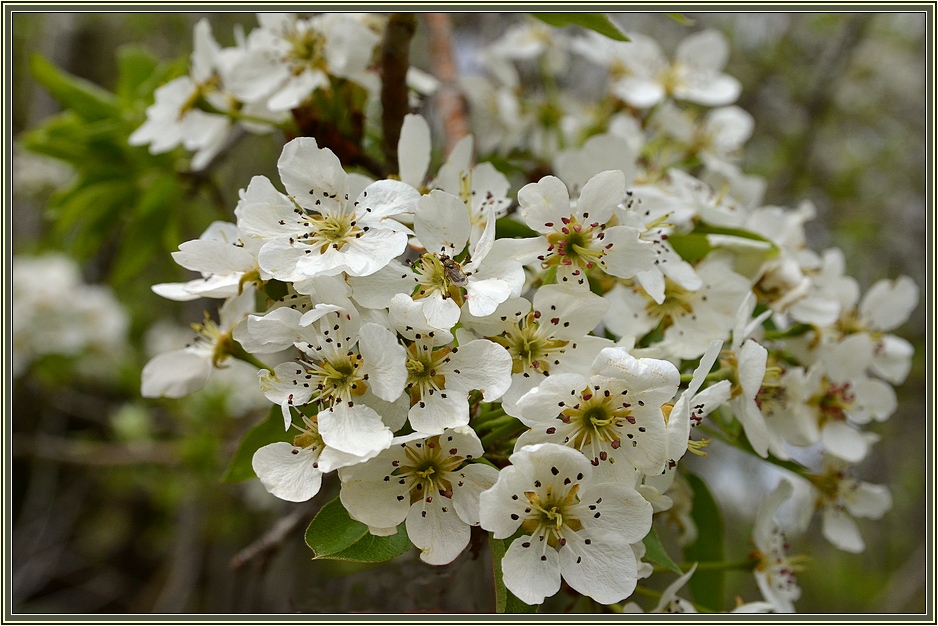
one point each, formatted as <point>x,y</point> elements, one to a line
<point>544,386</point>
<point>55,312</point>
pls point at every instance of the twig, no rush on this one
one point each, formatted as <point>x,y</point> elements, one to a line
<point>93,453</point>
<point>449,100</point>
<point>272,539</point>
<point>395,59</point>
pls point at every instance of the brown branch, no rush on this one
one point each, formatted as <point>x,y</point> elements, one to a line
<point>272,539</point>
<point>449,100</point>
<point>93,453</point>
<point>395,59</point>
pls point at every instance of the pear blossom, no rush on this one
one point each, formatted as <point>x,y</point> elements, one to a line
<point>641,75</point>
<point>293,472</point>
<point>55,312</point>
<point>840,497</point>
<point>613,415</point>
<point>439,379</point>
<point>548,336</point>
<point>670,602</point>
<point>344,381</point>
<point>577,238</point>
<point>316,229</point>
<point>775,571</point>
<point>443,282</point>
<point>574,528</point>
<point>225,259</point>
<point>180,372</point>
<point>691,319</point>
<point>429,483</point>
<point>286,59</point>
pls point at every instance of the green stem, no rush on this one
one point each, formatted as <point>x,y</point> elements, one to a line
<point>494,423</point>
<point>240,353</point>
<point>744,565</point>
<point>740,444</point>
<point>502,432</point>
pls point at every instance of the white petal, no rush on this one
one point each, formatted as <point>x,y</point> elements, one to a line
<point>543,402</point>
<point>311,174</point>
<point>868,500</point>
<point>841,530</point>
<point>482,365</point>
<point>387,198</point>
<point>436,529</point>
<point>576,313</point>
<point>888,304</point>
<point>435,413</point>
<point>297,89</point>
<point>623,511</point>
<point>844,441</point>
<point>356,430</point>
<point>531,573</point>
<point>628,255</point>
<point>543,202</point>
<point>176,374</point>
<point>652,380</point>
<point>707,49</point>
<point>413,150</point>
<point>288,472</point>
<point>484,296</point>
<point>600,195</point>
<point>604,570</point>
<point>470,482</point>
<point>384,361</point>
<point>213,257</point>
<point>442,223</point>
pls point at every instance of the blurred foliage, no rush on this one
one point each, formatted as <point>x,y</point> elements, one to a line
<point>118,504</point>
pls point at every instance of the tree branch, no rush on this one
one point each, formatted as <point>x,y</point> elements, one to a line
<point>395,60</point>
<point>449,100</point>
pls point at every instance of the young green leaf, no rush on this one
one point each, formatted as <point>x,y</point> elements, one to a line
<point>655,552</point>
<point>508,228</point>
<point>334,535</point>
<point>85,98</point>
<point>268,430</point>
<point>598,22</point>
<point>708,590</point>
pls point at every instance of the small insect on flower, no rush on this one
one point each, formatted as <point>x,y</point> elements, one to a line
<point>453,271</point>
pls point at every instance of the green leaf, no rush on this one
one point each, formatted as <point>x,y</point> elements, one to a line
<point>334,535</point>
<point>598,22</point>
<point>505,601</point>
<point>508,228</point>
<point>85,98</point>
<point>135,66</point>
<point>656,553</point>
<point>268,430</point>
<point>142,240</point>
<point>708,589</point>
<point>681,19</point>
<point>691,246</point>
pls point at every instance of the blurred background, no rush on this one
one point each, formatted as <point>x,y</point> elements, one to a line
<point>117,504</point>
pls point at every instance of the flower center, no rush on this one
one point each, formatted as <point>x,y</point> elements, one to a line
<point>833,402</point>
<point>307,50</point>
<point>429,466</point>
<point>440,274</point>
<point>422,364</point>
<point>210,332</point>
<point>339,378</point>
<point>530,347</point>
<point>573,243</point>
<point>598,418</point>
<point>677,300</point>
<point>309,437</point>
<point>333,231</point>
<point>552,514</point>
